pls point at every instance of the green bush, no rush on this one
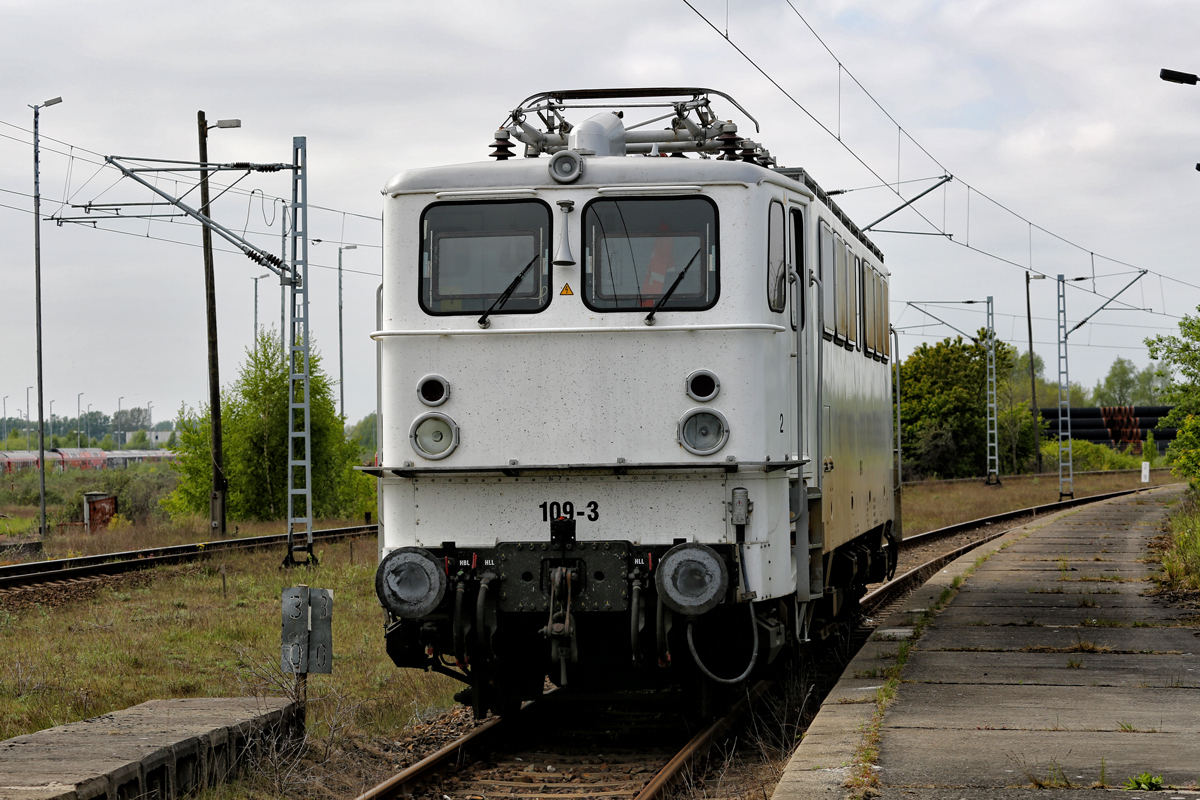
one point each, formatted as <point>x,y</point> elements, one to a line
<point>138,490</point>
<point>1091,457</point>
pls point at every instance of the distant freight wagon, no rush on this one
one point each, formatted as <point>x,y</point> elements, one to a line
<point>83,458</point>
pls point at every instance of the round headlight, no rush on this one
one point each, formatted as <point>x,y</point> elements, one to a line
<point>691,578</point>
<point>433,435</point>
<point>703,431</point>
<point>410,582</point>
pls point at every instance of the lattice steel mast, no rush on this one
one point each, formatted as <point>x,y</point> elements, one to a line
<point>993,437</point>
<point>292,273</point>
<point>1066,469</point>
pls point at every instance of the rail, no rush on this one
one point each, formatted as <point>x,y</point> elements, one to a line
<point>35,572</point>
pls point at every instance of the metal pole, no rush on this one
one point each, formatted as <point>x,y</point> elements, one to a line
<point>6,420</point>
<point>1033,402</point>
<point>37,291</point>
<point>52,423</point>
<point>78,409</point>
<point>27,388</point>
<point>87,426</point>
<point>119,431</point>
<point>150,420</point>
<point>217,499</point>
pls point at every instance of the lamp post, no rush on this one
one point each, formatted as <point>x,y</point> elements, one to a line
<point>150,420</point>
<point>6,420</point>
<point>37,292</point>
<point>52,423</point>
<point>256,280</point>
<point>341,351</point>
<point>219,484</point>
<point>1033,404</point>
<point>78,407</point>
<point>120,430</point>
<point>87,426</point>
<point>27,388</point>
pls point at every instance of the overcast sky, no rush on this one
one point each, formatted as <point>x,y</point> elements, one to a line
<point>1054,110</point>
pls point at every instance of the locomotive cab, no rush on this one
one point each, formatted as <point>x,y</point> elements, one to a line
<point>634,407</point>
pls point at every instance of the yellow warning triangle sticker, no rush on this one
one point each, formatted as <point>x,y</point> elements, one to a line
<point>566,289</point>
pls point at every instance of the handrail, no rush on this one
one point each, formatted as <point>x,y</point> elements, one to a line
<point>730,326</point>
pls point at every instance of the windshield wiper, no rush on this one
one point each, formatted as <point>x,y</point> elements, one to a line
<point>667,296</point>
<point>507,293</point>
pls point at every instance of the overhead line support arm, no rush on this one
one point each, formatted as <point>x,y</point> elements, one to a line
<point>253,252</point>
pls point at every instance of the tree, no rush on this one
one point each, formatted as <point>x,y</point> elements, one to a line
<point>1179,359</point>
<point>944,406</point>
<point>1118,387</point>
<point>255,421</point>
<point>363,432</point>
<point>1152,384</point>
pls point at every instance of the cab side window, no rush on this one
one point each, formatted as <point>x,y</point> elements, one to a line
<point>828,278</point>
<point>797,259</point>
<point>776,259</point>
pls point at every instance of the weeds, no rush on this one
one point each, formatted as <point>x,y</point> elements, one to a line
<point>1145,782</point>
<point>1181,558</point>
<point>1074,663</point>
<point>1085,601</point>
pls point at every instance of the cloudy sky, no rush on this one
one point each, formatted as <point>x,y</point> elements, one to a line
<point>1053,111</point>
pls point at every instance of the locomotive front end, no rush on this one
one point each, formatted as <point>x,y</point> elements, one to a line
<point>590,459</point>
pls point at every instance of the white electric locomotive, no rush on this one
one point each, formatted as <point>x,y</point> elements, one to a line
<point>635,418</point>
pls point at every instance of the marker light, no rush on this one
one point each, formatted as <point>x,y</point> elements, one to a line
<point>691,579</point>
<point>433,435</point>
<point>410,582</point>
<point>703,431</point>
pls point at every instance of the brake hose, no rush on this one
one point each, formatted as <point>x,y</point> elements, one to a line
<point>753,653</point>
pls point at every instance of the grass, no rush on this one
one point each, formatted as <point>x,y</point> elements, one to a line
<point>1181,556</point>
<point>172,632</point>
<point>936,504</point>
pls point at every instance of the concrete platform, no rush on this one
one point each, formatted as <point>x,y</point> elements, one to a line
<point>158,750</point>
<point>1015,687</point>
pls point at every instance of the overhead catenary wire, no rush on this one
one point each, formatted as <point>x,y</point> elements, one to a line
<point>902,133</point>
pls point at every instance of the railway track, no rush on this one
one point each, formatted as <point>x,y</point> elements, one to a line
<point>594,769</point>
<point>36,572</point>
<point>67,569</point>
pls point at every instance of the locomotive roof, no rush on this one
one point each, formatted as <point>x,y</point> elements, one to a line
<point>532,173</point>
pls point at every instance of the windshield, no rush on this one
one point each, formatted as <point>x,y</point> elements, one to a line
<point>471,252</point>
<point>635,248</point>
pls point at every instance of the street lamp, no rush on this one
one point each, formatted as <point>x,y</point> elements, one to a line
<point>1033,404</point>
<point>150,420</point>
<point>37,292</point>
<point>219,485</point>
<point>119,417</point>
<point>1173,76</point>
<point>27,388</point>
<point>78,407</point>
<point>6,420</point>
<point>87,426</point>
<point>256,280</point>
<point>52,423</point>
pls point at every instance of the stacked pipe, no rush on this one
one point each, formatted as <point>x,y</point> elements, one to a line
<point>1117,427</point>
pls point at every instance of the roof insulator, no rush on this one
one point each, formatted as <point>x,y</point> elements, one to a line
<point>502,147</point>
<point>728,142</point>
